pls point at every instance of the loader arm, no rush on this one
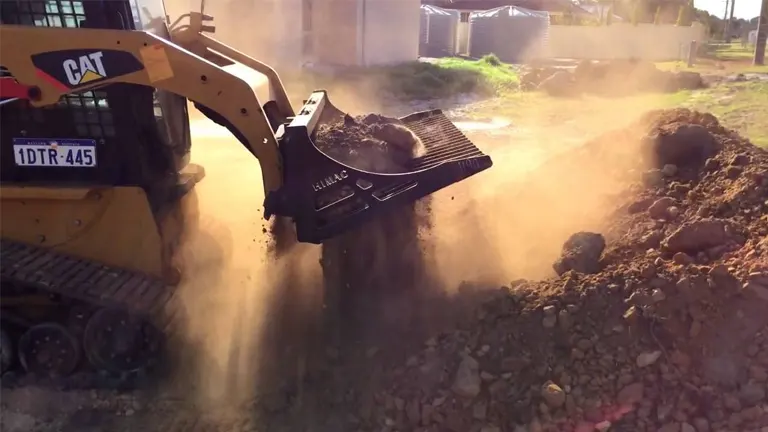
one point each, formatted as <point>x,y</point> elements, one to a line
<point>48,63</point>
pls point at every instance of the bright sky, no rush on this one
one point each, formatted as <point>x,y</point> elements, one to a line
<point>746,9</point>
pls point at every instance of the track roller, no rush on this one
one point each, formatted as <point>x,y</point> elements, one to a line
<point>120,342</point>
<point>49,349</point>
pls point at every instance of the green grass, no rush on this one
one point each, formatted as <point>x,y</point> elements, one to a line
<point>721,59</point>
<point>449,77</point>
<point>732,51</point>
<point>741,106</point>
<point>710,68</point>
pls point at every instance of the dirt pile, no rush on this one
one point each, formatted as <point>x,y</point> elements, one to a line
<point>664,329</point>
<point>609,78</point>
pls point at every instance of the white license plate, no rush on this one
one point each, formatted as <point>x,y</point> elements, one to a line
<point>66,153</point>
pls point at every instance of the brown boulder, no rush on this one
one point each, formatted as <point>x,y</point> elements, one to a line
<point>581,253</point>
<point>697,236</point>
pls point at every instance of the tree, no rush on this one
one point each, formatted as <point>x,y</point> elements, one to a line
<point>684,14</point>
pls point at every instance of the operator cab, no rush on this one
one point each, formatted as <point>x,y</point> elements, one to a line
<point>116,135</point>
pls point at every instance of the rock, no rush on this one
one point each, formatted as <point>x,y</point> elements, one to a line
<point>658,210</point>
<point>687,427</point>
<point>752,394</point>
<point>467,382</point>
<point>669,170</point>
<point>670,427</point>
<point>711,164</point>
<point>640,205</point>
<point>701,424</point>
<point>631,394</point>
<point>653,178</point>
<point>413,412</point>
<point>647,359</point>
<point>733,172</point>
<point>480,410</point>
<point>603,426</point>
<point>581,253</point>
<point>426,414</point>
<point>723,280</point>
<point>553,395</point>
<point>549,321</point>
<point>741,159</point>
<point>658,295</point>
<point>758,373</point>
<point>682,258</point>
<point>757,290</point>
<point>535,425</point>
<point>694,237</point>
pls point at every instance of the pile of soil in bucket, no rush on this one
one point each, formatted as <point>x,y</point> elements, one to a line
<point>370,142</point>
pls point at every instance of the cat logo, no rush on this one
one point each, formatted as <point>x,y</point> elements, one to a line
<point>85,69</point>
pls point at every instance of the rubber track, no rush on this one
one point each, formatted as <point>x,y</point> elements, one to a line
<point>87,281</point>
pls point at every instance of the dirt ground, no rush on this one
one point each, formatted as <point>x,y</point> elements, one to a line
<point>500,227</point>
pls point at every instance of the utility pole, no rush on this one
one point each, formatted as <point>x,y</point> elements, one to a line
<point>762,31</point>
<point>729,24</point>
<point>725,19</point>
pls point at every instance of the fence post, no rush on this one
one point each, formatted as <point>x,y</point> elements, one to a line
<point>692,53</point>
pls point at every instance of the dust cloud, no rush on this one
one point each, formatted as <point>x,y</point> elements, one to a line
<point>234,285</point>
<point>510,222</point>
<point>247,309</point>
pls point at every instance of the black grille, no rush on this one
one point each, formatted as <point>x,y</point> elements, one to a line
<point>443,141</point>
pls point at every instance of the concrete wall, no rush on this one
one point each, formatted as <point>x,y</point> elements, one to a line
<point>390,31</point>
<point>618,41</point>
<point>339,32</point>
<point>335,32</point>
<point>364,32</point>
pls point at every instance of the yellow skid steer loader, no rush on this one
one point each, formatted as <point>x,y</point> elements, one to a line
<point>95,142</point>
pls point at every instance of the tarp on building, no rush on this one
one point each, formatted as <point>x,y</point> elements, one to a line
<point>513,33</point>
<point>437,36</point>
